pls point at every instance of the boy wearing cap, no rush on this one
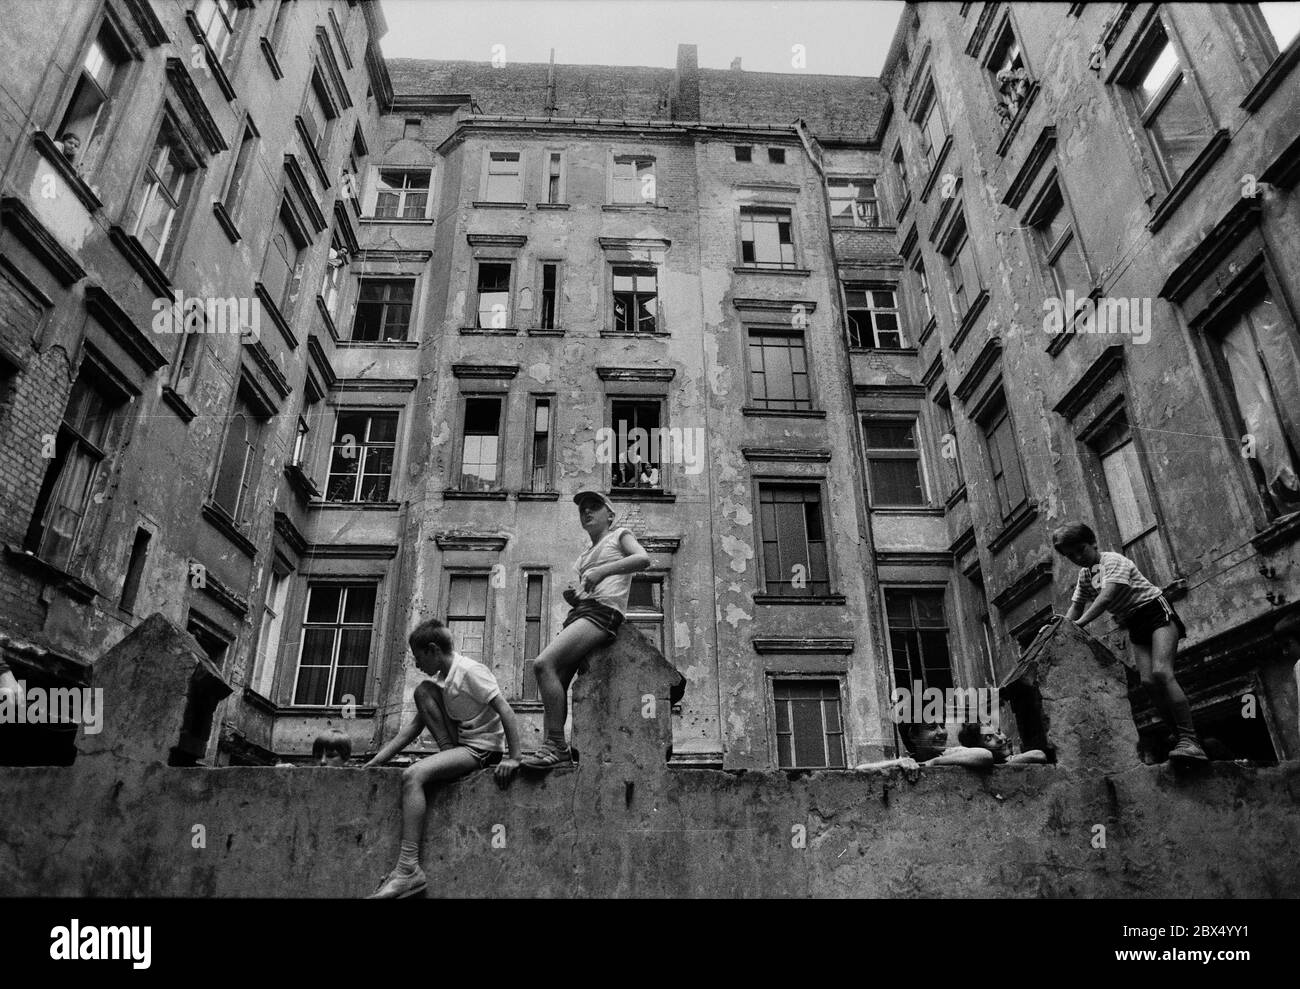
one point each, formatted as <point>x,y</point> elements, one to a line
<point>604,572</point>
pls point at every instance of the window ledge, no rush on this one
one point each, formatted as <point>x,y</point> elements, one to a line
<point>968,321</point>
<point>814,599</point>
<point>537,495</point>
<point>1272,78</point>
<point>224,219</point>
<point>141,261</point>
<point>177,402</point>
<point>902,209</point>
<point>29,562</point>
<point>750,410</point>
<point>552,206</point>
<point>398,221</point>
<point>933,177</point>
<point>927,330</point>
<point>218,71</point>
<point>487,204</point>
<point>325,316</point>
<point>641,494</point>
<point>455,494</point>
<point>1211,153</point>
<point>301,483</point>
<point>223,523</point>
<point>269,51</point>
<point>544,333</point>
<point>629,207</point>
<point>884,350</point>
<point>479,331</point>
<point>45,145</point>
<point>924,510</point>
<point>1015,524</point>
<point>757,269</point>
<point>277,317</point>
<point>356,506</point>
<point>377,344</point>
<point>312,154</point>
<point>1282,532</point>
<point>625,335</point>
<point>958,495</point>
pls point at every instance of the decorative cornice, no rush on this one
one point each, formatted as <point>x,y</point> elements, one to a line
<point>496,240</point>
<point>933,372</point>
<point>382,255</point>
<point>122,328</point>
<point>636,373</point>
<point>303,190</point>
<point>786,307</point>
<point>140,260</point>
<point>772,454</point>
<point>503,371</point>
<point>1214,246</point>
<point>963,543</point>
<point>469,542</point>
<point>15,215</point>
<point>660,544</point>
<point>374,384</point>
<point>984,360</point>
<point>1102,370</point>
<point>320,361</point>
<point>350,551</point>
<point>634,244</point>
<point>1036,577</point>
<point>223,595</point>
<point>262,358</point>
<point>346,228</point>
<point>895,391</point>
<point>271,309</point>
<point>887,558</point>
<point>194,106</point>
<point>771,644</point>
<point>290,534</point>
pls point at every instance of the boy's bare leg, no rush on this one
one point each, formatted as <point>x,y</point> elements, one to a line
<point>439,767</point>
<point>1156,670</point>
<point>432,711</point>
<point>555,667</point>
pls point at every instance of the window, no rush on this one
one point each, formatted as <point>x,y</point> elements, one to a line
<point>402,194</point>
<point>268,634</point>
<point>923,286</point>
<point>336,637</point>
<point>634,180</point>
<point>336,263</point>
<point>893,462</point>
<point>217,20</point>
<point>383,309</point>
<point>766,237</point>
<point>635,300</point>
<point>949,453</point>
<point>634,466</point>
<point>300,443</point>
<point>1131,501</point>
<point>92,99</point>
<point>534,630</point>
<point>317,116</point>
<point>481,443</point>
<point>493,295</point>
<point>776,156</point>
<point>778,370</point>
<point>794,539</point>
<point>504,179</point>
<point>283,265</point>
<point>963,277</point>
<point>467,604</point>
<point>240,457</point>
<point>918,638</point>
<point>744,152</point>
<point>1010,75</point>
<point>1061,247</point>
<point>900,169</point>
<point>1004,459</point>
<point>1168,104</point>
<point>554,177</point>
<point>809,730</point>
<point>539,450</point>
<point>645,608</point>
<point>853,203</point>
<point>550,295</point>
<point>873,318</point>
<point>930,122</point>
<point>1258,363</point>
<point>134,570</point>
<point>238,182</point>
<point>64,497</point>
<point>160,196</point>
<point>361,459</point>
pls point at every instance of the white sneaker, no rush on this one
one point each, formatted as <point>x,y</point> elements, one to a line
<point>396,886</point>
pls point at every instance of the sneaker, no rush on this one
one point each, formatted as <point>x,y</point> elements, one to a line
<point>1188,748</point>
<point>549,756</point>
<point>396,886</point>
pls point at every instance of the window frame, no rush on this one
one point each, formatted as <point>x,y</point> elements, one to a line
<point>749,213</point>
<point>510,264</point>
<point>383,187</point>
<point>615,183</point>
<point>527,691</point>
<point>637,270</point>
<point>107,115</point>
<point>561,177</point>
<point>871,454</point>
<point>250,476</point>
<point>912,591</point>
<point>345,585</point>
<point>497,483</point>
<point>384,303</point>
<point>661,404</point>
<point>484,572</point>
<point>778,680</point>
<point>869,289</point>
<point>997,410</point>
<point>753,400</point>
<point>785,588</point>
<point>141,197</point>
<point>363,446</point>
<point>867,193</point>
<point>530,477</point>
<point>485,181</point>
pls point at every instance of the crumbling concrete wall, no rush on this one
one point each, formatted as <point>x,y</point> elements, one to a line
<point>622,824</point>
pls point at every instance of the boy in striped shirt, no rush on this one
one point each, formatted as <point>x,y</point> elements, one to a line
<point>1112,582</point>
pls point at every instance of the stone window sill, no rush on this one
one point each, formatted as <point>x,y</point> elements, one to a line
<point>47,572</point>
<point>808,599</point>
<point>750,410</point>
<point>217,517</point>
<point>1015,524</point>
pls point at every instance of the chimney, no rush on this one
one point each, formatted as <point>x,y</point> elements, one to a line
<point>684,102</point>
<point>735,63</point>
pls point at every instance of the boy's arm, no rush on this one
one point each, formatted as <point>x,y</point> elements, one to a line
<point>636,560</point>
<point>404,738</point>
<point>1076,609</point>
<point>1099,604</point>
<point>509,722</point>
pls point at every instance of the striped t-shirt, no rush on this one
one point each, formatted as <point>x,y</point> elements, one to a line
<point>1115,568</point>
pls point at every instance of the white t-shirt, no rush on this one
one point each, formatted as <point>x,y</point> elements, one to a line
<point>1134,589</point>
<point>613,590</point>
<point>468,690</point>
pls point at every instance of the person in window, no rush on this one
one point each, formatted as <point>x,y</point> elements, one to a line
<point>463,708</point>
<point>69,144</point>
<point>11,690</point>
<point>980,746</point>
<point>332,749</point>
<point>599,603</point>
<point>1111,582</point>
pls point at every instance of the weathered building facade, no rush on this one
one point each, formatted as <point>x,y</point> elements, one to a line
<point>821,298</point>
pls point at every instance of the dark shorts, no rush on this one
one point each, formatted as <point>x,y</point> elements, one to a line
<point>484,757</point>
<point>1156,613</point>
<point>602,616</point>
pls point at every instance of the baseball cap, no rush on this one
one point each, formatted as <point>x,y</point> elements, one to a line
<point>582,496</point>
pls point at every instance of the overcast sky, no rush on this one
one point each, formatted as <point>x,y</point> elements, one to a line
<point>840,37</point>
